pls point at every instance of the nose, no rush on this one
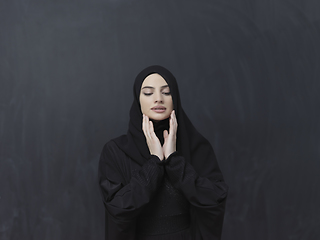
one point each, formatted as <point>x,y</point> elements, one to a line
<point>158,97</point>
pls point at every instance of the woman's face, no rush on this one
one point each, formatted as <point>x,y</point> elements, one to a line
<point>155,97</point>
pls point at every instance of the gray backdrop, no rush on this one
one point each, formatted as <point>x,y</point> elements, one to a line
<point>248,73</point>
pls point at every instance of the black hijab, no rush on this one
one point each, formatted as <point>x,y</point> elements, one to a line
<point>190,143</point>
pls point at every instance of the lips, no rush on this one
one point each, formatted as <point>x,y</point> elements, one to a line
<point>159,109</point>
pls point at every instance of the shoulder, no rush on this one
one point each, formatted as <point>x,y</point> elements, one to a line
<point>110,154</point>
<point>113,144</point>
<point>115,148</point>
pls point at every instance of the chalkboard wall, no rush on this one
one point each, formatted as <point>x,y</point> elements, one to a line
<point>249,77</point>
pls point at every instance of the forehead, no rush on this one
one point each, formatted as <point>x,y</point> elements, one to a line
<point>154,80</point>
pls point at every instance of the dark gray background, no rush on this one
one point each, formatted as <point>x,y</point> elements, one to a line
<point>248,73</point>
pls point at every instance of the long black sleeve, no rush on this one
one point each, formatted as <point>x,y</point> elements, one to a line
<point>124,198</point>
<point>206,195</point>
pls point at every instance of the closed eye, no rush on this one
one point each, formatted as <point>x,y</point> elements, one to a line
<point>165,93</point>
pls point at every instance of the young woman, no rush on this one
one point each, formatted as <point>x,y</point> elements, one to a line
<point>161,180</point>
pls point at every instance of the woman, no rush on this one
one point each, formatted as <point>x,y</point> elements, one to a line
<point>161,180</point>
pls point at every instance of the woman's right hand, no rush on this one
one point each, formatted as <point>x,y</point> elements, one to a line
<point>153,141</point>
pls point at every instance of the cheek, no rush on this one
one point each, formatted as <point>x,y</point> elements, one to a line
<point>171,103</point>
<point>143,103</point>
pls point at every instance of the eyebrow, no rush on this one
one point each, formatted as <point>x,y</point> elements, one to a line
<point>153,87</point>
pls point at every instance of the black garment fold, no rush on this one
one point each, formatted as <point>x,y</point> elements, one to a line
<point>127,188</point>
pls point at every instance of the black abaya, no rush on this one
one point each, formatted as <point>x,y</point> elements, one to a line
<point>130,178</point>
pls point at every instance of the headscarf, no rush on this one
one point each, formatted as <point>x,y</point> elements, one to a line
<point>190,143</point>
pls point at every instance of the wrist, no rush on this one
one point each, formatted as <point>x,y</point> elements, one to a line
<point>169,154</point>
<point>161,157</point>
<point>158,160</point>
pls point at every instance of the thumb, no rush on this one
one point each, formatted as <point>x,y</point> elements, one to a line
<point>165,134</point>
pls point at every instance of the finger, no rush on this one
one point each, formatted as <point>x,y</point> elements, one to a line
<point>145,127</point>
<point>174,116</point>
<point>173,125</point>
<point>165,134</point>
<point>171,114</point>
<point>148,127</point>
<point>143,124</point>
<point>175,121</point>
<point>151,127</point>
<point>152,133</point>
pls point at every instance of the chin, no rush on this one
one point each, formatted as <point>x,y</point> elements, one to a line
<point>158,117</point>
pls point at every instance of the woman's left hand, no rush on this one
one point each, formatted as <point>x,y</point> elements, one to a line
<point>170,138</point>
<point>153,142</point>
